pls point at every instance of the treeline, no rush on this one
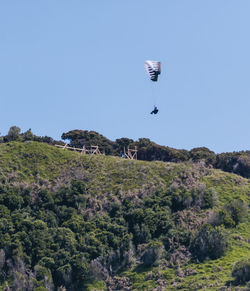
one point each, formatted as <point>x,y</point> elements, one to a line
<point>15,134</point>
<point>236,162</point>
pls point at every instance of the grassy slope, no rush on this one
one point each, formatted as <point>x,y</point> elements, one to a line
<point>108,176</point>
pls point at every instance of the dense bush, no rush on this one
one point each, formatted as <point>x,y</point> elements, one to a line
<point>153,253</point>
<point>182,198</point>
<point>150,151</point>
<point>52,233</point>
<point>237,210</point>
<point>203,153</point>
<point>209,242</point>
<point>231,214</point>
<point>241,271</point>
<point>237,162</point>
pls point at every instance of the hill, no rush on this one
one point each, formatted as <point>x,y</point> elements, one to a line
<point>236,162</point>
<point>147,150</point>
<point>85,222</point>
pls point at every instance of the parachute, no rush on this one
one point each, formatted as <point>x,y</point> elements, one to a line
<point>153,69</point>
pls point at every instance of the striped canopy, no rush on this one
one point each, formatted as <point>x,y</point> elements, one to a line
<point>153,69</point>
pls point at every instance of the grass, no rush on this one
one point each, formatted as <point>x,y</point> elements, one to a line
<point>209,275</point>
<point>97,285</point>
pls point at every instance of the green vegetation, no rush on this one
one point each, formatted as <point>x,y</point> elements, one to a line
<point>236,162</point>
<point>241,271</point>
<point>85,222</point>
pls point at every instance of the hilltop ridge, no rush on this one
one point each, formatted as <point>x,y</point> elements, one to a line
<point>235,162</point>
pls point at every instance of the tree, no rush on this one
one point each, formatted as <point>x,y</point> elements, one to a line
<point>123,142</point>
<point>13,133</point>
<point>203,153</point>
<point>79,138</point>
<point>28,135</point>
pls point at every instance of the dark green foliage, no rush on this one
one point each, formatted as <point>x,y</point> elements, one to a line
<point>42,275</point>
<point>80,138</point>
<point>241,271</point>
<point>80,268</point>
<point>47,230</point>
<point>203,153</point>
<point>150,151</point>
<point>209,242</point>
<point>237,210</point>
<point>182,198</point>
<point>177,236</point>
<point>223,218</point>
<point>153,253</point>
<point>28,135</point>
<point>13,133</point>
<point>232,214</point>
<point>147,223</point>
<point>237,162</point>
<point>13,198</point>
<point>122,143</point>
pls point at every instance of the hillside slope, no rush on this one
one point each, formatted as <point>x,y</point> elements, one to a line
<point>236,162</point>
<point>85,222</point>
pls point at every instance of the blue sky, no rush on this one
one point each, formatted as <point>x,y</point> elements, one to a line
<point>78,64</point>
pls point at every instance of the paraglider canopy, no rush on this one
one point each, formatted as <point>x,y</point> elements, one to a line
<point>153,69</point>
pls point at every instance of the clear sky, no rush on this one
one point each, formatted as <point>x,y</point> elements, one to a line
<point>79,64</point>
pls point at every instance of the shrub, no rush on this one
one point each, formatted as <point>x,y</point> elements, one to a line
<point>233,213</point>
<point>204,198</point>
<point>153,253</point>
<point>181,198</point>
<point>223,217</point>
<point>237,210</point>
<point>241,271</point>
<point>209,242</point>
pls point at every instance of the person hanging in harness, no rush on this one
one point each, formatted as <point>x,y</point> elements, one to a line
<point>155,111</point>
<point>153,69</point>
